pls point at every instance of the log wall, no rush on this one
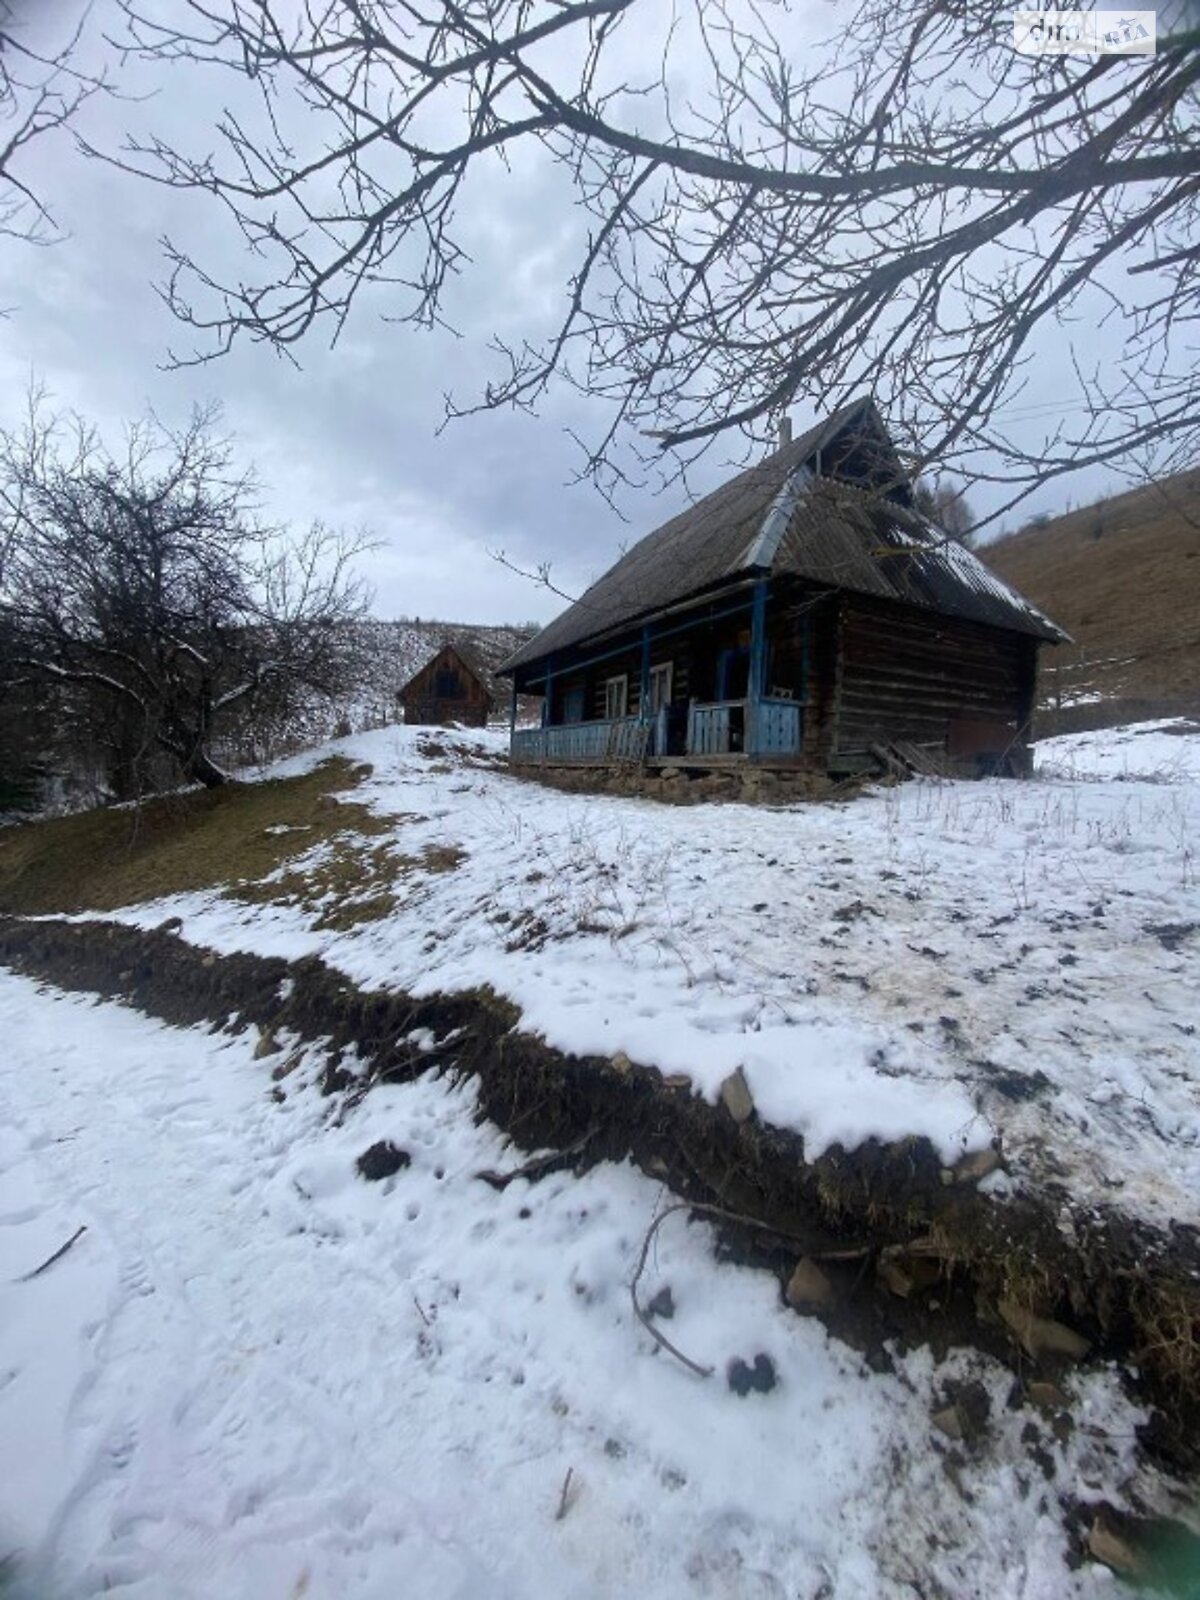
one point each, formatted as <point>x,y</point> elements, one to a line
<point>930,680</point>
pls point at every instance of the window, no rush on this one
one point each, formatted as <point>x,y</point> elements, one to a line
<point>660,687</point>
<point>616,696</point>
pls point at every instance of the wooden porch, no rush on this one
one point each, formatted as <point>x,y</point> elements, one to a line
<point>767,729</point>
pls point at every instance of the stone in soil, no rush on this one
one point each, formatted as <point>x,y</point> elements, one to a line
<point>1042,1336</point>
<point>736,1096</point>
<point>808,1286</point>
<point>382,1160</point>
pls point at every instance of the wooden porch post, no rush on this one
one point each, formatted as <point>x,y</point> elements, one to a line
<point>512,712</point>
<point>757,685</point>
<point>548,698</point>
<point>644,702</point>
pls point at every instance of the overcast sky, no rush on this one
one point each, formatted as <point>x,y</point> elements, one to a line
<point>352,437</point>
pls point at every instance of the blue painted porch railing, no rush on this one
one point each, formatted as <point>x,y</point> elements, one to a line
<point>778,728</point>
<point>627,739</point>
<point>770,729</point>
<point>710,727</point>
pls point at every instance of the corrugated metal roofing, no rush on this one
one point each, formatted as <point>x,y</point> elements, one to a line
<point>782,517</point>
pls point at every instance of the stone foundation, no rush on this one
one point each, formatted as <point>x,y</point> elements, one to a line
<point>680,785</point>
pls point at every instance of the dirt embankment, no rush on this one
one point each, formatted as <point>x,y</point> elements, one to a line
<point>910,1251</point>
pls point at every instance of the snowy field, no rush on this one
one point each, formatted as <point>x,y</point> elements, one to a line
<point>960,960</point>
<point>257,1375</point>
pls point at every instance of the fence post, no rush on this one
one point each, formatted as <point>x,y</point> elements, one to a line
<point>644,703</point>
<point>756,686</point>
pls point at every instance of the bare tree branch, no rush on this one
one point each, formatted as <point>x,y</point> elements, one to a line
<point>41,92</point>
<point>913,208</point>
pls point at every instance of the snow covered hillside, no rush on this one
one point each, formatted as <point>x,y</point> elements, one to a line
<point>270,1368</point>
<point>956,960</point>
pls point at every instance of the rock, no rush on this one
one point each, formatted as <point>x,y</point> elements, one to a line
<point>1107,1545</point>
<point>949,1421</point>
<point>327,802</point>
<point>736,1096</point>
<point>663,1304</point>
<point>382,1160</point>
<point>975,1166</point>
<point>622,1064</point>
<point>284,1067</point>
<point>1048,1396</point>
<point>893,1275</point>
<point>963,1410</point>
<point>760,1378</point>
<point>668,773</point>
<point>268,1045</point>
<point>808,1286</point>
<point>677,1080</point>
<point>905,1269</point>
<point>171,925</point>
<point>1041,1336</point>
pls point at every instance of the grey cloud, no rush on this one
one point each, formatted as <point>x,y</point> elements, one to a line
<point>352,437</point>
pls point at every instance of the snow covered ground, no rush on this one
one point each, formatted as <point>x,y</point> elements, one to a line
<point>959,960</point>
<point>256,1376</point>
<point>1167,751</point>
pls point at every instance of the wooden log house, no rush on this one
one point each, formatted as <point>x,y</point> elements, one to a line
<point>804,615</point>
<point>448,688</point>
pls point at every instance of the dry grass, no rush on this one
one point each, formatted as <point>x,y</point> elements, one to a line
<point>1123,578</point>
<point>100,860</point>
<point>347,884</point>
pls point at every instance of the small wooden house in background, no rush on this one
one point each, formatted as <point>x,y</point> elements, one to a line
<point>448,688</point>
<point>804,615</point>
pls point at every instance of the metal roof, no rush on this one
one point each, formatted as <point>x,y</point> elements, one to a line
<point>783,516</point>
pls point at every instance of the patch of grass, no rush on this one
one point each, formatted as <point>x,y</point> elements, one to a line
<point>100,860</point>
<point>347,884</point>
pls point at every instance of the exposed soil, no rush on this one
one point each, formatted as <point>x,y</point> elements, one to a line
<point>912,1257</point>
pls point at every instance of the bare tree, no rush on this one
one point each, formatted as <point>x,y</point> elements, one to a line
<point>41,91</point>
<point>945,503</point>
<point>143,588</point>
<point>913,207</point>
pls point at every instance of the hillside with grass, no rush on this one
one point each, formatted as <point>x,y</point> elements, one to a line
<point>1123,577</point>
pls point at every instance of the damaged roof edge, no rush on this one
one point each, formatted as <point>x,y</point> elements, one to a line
<point>763,549</point>
<point>776,517</point>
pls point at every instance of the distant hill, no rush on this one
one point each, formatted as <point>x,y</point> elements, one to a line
<point>1123,578</point>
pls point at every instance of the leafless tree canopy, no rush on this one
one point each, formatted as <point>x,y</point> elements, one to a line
<point>141,594</point>
<point>912,207</point>
<point>945,503</point>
